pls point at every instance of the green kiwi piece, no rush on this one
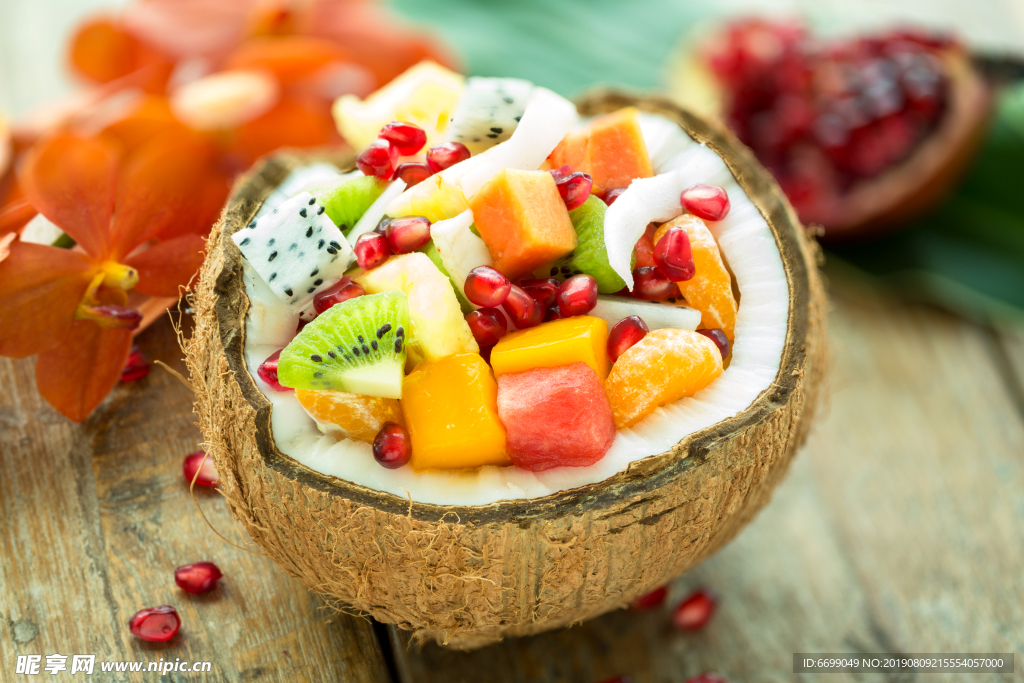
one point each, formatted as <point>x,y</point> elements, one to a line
<point>346,202</point>
<point>356,346</point>
<point>431,251</point>
<point>590,255</point>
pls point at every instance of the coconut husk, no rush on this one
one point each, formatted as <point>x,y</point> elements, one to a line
<point>469,576</point>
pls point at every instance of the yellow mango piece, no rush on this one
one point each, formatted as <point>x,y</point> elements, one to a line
<point>349,416</point>
<point>451,412</point>
<point>580,339</point>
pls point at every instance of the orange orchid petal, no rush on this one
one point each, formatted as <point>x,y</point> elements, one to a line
<point>157,188</point>
<point>15,215</point>
<point>293,122</point>
<point>40,287</point>
<point>166,266</point>
<point>75,375</point>
<point>101,51</point>
<point>148,118</point>
<point>289,58</point>
<point>72,181</point>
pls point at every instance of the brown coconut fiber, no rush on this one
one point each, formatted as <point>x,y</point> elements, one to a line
<point>469,576</point>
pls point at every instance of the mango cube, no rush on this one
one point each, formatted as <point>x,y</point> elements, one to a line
<point>580,339</point>
<point>451,412</point>
<point>522,220</point>
<point>610,148</point>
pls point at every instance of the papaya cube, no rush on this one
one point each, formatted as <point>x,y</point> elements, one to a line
<point>522,220</point>
<point>580,339</point>
<point>610,148</point>
<point>451,412</point>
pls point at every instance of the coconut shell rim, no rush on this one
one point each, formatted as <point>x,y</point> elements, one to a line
<point>641,476</point>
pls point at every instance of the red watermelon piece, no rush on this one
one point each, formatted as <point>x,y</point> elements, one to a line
<point>555,417</point>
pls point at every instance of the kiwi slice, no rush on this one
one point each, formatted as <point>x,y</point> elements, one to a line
<point>431,251</point>
<point>590,255</point>
<point>346,202</point>
<point>356,346</point>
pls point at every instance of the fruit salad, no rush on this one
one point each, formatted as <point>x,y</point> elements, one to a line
<point>506,296</point>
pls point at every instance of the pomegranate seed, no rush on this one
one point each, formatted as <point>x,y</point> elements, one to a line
<point>623,335</point>
<point>378,159</point>
<point>136,367</point>
<point>413,173</point>
<point>707,677</point>
<point>207,472</point>
<point>155,624</point>
<point>524,310</point>
<point>408,234</point>
<point>611,195</point>
<point>405,138</point>
<point>652,599</point>
<point>577,295</point>
<point>561,172</point>
<point>650,284</point>
<point>198,577</point>
<point>673,255</point>
<point>268,371</point>
<point>343,290</point>
<point>552,314</point>
<point>718,336</point>
<point>574,188</point>
<point>382,225</point>
<point>644,248</point>
<point>488,326</point>
<point>693,613</point>
<point>544,290</point>
<point>486,286</point>
<point>440,157</point>
<point>391,447</point>
<point>706,201</point>
<point>371,250</point>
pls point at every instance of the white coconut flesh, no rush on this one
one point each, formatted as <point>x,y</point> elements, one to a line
<point>747,245</point>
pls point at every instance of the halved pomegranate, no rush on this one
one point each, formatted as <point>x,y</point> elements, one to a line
<point>862,134</point>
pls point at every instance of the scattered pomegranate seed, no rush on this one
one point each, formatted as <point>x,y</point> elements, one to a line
<point>378,159</point>
<point>198,577</point>
<point>718,336</point>
<point>650,284</point>
<point>673,255</point>
<point>207,472</point>
<point>486,286</point>
<point>553,313</point>
<point>693,613</point>
<point>574,188</point>
<point>344,290</point>
<point>623,335</point>
<point>706,201</point>
<point>268,371</point>
<point>408,234</point>
<point>544,290</point>
<point>405,138</point>
<point>611,195</point>
<point>155,624</point>
<point>577,295</point>
<point>391,446</point>
<point>136,367</point>
<point>371,250</point>
<point>707,677</point>
<point>488,325</point>
<point>413,173</point>
<point>652,599</point>
<point>523,309</point>
<point>440,157</point>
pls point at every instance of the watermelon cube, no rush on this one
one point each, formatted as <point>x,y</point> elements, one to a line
<point>555,417</point>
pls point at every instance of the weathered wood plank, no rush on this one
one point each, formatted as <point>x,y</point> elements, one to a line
<point>94,519</point>
<point>898,529</point>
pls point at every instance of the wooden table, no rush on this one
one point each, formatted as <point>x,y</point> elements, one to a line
<point>898,529</point>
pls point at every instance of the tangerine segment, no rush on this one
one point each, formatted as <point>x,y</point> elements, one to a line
<point>661,368</point>
<point>710,289</point>
<point>350,416</point>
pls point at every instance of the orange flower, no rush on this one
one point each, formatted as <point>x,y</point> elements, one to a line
<point>137,219</point>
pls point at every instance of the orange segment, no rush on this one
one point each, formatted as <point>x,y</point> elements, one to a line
<point>661,368</point>
<point>710,289</point>
<point>350,416</point>
<point>581,339</point>
<point>610,148</point>
<point>451,410</point>
<point>522,220</point>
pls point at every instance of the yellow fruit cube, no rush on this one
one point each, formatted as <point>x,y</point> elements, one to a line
<point>451,411</point>
<point>580,339</point>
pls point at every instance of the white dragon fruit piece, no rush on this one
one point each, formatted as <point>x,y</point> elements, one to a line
<point>488,111</point>
<point>296,249</point>
<point>460,250</point>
